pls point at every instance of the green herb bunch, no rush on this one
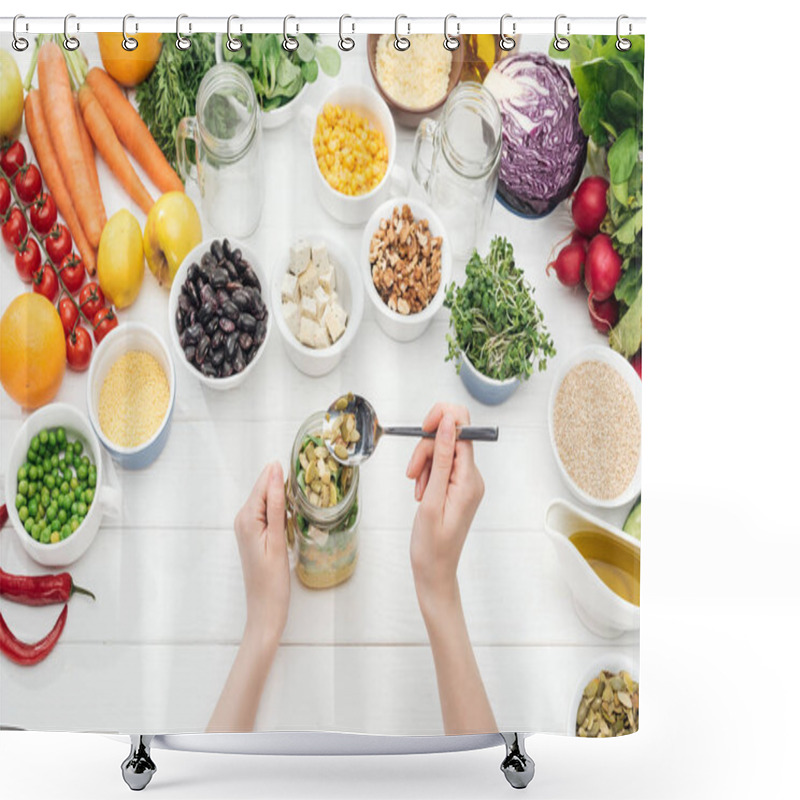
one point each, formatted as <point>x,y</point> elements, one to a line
<point>494,318</point>
<point>170,92</point>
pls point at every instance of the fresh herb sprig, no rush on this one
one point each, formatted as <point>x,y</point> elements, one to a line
<point>494,318</point>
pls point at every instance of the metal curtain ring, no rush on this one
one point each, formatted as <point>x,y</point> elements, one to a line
<point>181,41</point>
<point>70,42</point>
<point>19,43</point>
<point>450,42</point>
<point>401,42</point>
<point>345,42</point>
<point>559,42</point>
<point>233,44</point>
<point>128,42</point>
<point>623,44</point>
<point>507,42</point>
<point>290,43</point>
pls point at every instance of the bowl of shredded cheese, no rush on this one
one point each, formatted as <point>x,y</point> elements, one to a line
<point>416,81</point>
<point>131,394</point>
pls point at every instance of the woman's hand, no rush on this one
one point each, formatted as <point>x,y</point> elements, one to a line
<point>260,529</point>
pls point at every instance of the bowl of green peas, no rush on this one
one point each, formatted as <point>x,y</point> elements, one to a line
<point>57,487</point>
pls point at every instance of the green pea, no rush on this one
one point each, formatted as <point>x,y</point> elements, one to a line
<point>86,462</point>
<point>23,513</point>
<point>40,513</point>
<point>74,524</point>
<point>68,458</point>
<point>78,447</point>
<point>35,445</point>
<point>45,533</point>
<point>62,516</point>
<point>82,509</point>
<point>83,472</point>
<point>61,435</point>
<point>64,488</point>
<point>65,530</point>
<point>89,496</point>
<point>22,473</point>
<point>43,437</point>
<point>73,484</point>
<point>92,479</point>
<point>35,533</point>
<point>52,512</point>
<point>51,440</point>
<point>22,487</point>
<point>32,506</point>
<point>20,501</point>
<point>29,525</point>
<point>49,481</point>
<point>73,509</point>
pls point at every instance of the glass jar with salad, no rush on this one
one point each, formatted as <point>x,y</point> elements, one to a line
<point>323,510</point>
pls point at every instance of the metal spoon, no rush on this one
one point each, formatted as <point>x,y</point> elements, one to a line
<point>371,431</point>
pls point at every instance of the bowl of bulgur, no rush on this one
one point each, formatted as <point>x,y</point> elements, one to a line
<point>595,420</point>
<point>131,394</point>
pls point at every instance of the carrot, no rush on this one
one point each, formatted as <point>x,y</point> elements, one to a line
<point>88,154</point>
<point>102,133</point>
<point>59,114</point>
<point>133,132</point>
<point>53,178</point>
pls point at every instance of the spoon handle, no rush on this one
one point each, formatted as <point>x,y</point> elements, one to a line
<point>471,433</point>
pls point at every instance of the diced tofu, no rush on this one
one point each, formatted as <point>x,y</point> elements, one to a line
<point>292,316</point>
<point>308,281</point>
<point>321,340</point>
<point>322,299</point>
<point>299,256</point>
<point>335,320</point>
<point>308,332</point>
<point>319,255</point>
<point>289,291</point>
<point>308,308</point>
<point>327,279</point>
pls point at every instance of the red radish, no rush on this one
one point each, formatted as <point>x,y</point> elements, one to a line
<point>604,314</point>
<point>636,363</point>
<point>603,268</point>
<point>590,205</point>
<point>569,264</point>
<point>578,238</point>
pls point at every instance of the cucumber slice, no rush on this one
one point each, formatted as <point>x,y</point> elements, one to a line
<point>633,524</point>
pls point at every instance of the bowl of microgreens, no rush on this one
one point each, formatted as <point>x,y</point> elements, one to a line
<point>279,76</point>
<point>497,333</point>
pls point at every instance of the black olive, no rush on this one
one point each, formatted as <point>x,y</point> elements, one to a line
<point>230,310</point>
<point>245,341</point>
<point>216,250</point>
<point>219,277</point>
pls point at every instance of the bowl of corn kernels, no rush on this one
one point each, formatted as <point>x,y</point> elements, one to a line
<point>353,146</point>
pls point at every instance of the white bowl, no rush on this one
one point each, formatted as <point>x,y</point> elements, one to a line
<point>405,327</point>
<point>350,289</point>
<point>355,209</point>
<point>277,117</point>
<point>107,496</point>
<point>127,337</point>
<point>607,356</point>
<point>232,381</point>
<point>484,389</point>
<point>612,661</point>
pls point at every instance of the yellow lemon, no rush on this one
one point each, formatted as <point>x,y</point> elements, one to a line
<point>120,259</point>
<point>10,98</point>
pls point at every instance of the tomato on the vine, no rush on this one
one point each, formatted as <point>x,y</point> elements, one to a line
<point>28,183</point>
<point>79,348</point>
<point>72,272</point>
<point>5,196</point>
<point>12,158</point>
<point>103,322</point>
<point>58,243</point>
<point>14,229</point>
<point>45,282</point>
<point>91,299</point>
<point>43,213</point>
<point>28,259</point>
<point>68,312</point>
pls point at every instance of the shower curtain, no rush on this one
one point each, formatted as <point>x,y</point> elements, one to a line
<point>212,251</point>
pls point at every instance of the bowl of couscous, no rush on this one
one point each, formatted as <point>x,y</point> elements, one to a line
<point>131,394</point>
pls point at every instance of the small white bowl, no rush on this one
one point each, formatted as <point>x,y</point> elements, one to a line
<point>232,381</point>
<point>356,209</point>
<point>127,337</point>
<point>488,391</point>
<point>405,327</point>
<point>107,495</point>
<point>350,289</point>
<point>607,356</point>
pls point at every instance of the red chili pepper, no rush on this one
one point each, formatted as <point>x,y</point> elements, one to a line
<point>39,590</point>
<point>29,653</point>
<point>3,515</point>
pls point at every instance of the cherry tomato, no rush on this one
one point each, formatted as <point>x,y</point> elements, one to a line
<point>43,213</point>
<point>5,196</point>
<point>14,229</point>
<point>72,272</point>
<point>58,243</point>
<point>45,282</point>
<point>68,312</point>
<point>79,348</point>
<point>28,259</point>
<point>28,183</point>
<point>12,158</point>
<point>104,321</point>
<point>91,299</point>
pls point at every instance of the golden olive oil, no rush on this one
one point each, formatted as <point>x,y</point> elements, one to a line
<point>616,562</point>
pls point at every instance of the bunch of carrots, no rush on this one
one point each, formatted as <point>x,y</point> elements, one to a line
<point>72,113</point>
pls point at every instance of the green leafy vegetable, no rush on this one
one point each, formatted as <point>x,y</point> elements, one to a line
<point>494,318</point>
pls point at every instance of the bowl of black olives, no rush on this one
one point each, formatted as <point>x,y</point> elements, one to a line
<point>218,316</point>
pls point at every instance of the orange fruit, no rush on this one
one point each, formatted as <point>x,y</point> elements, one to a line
<point>129,67</point>
<point>33,353</point>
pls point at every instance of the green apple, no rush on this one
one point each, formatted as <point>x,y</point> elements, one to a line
<point>172,229</point>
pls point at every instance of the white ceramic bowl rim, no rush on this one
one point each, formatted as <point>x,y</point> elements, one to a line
<point>109,339</point>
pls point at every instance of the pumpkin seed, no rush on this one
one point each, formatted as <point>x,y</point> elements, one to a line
<point>609,706</point>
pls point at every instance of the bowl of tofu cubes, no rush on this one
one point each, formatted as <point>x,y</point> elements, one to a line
<point>318,300</point>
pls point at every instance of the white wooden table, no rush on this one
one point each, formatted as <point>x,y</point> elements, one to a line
<point>152,654</point>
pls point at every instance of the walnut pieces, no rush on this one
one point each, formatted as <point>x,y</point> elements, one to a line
<point>406,262</point>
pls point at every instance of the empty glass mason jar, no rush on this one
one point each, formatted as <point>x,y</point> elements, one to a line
<point>461,178</point>
<point>227,146</point>
<point>323,540</point>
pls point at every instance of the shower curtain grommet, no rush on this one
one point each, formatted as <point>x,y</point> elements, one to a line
<point>517,766</point>
<point>138,768</point>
